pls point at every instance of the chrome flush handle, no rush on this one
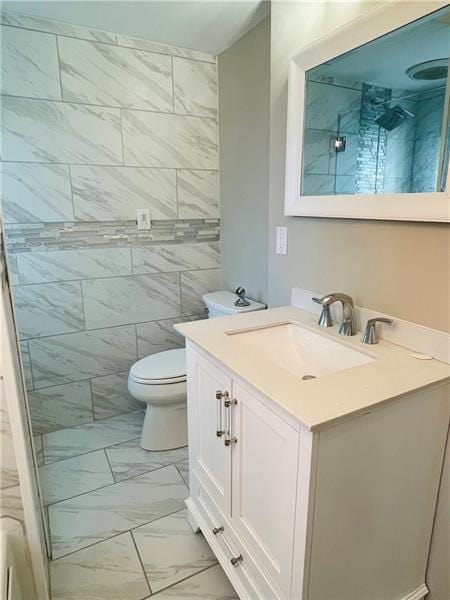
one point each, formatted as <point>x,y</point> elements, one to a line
<point>370,333</point>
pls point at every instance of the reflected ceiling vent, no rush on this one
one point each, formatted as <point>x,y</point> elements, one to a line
<point>429,70</point>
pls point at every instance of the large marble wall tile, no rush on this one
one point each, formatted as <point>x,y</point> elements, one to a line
<point>325,103</point>
<point>346,162</point>
<point>429,111</point>
<point>128,459</point>
<point>198,194</point>
<point>60,406</point>
<point>425,164</point>
<point>75,441</point>
<point>36,193</point>
<point>399,157</point>
<point>98,515</point>
<point>42,131</point>
<point>170,551</point>
<point>25,356</point>
<point>50,26</point>
<point>13,270</point>
<point>193,285</point>
<point>313,185</point>
<point>162,140</point>
<point>99,192</point>
<point>345,184</point>
<point>64,265</point>
<point>318,155</point>
<point>176,257</point>
<point>38,451</point>
<point>48,309</point>
<point>76,356</point>
<point>110,569</point>
<point>158,336</point>
<point>68,478</point>
<point>112,76</point>
<point>211,583</point>
<point>29,64</point>
<point>132,42</point>
<point>110,396</point>
<point>121,300</point>
<point>195,87</point>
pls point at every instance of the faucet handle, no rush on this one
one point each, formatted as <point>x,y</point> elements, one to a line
<point>370,333</point>
<point>325,319</point>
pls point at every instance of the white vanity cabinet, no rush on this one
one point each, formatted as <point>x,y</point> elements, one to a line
<point>344,513</point>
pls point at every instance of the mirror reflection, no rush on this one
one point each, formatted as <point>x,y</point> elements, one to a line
<point>374,116</point>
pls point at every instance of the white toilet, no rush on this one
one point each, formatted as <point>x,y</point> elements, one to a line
<point>160,381</point>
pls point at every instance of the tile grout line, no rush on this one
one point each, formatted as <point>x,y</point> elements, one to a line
<point>184,578</point>
<point>93,40</point>
<point>116,535</point>
<point>141,562</point>
<point>109,465</point>
<point>117,108</point>
<point>108,165</point>
<point>115,482</point>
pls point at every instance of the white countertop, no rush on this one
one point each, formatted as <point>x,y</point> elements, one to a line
<point>329,398</point>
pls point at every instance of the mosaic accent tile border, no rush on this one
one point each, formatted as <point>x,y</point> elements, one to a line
<point>96,234</point>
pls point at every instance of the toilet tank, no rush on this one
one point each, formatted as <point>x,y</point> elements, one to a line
<point>221,303</point>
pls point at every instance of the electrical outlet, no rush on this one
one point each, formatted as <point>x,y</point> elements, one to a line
<point>143,218</point>
<point>281,240</point>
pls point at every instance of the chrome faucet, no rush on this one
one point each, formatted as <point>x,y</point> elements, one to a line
<point>348,325</point>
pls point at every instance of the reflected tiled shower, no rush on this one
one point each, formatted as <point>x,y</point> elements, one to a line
<point>375,160</point>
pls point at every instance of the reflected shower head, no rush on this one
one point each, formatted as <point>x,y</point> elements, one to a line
<point>393,117</point>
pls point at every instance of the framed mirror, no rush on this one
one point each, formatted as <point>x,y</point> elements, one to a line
<point>368,129</point>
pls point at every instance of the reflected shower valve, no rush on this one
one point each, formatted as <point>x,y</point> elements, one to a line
<point>339,143</point>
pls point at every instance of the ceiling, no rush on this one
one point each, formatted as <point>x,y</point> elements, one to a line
<point>210,26</point>
<point>385,61</point>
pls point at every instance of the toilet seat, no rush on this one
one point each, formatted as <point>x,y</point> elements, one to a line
<point>163,368</point>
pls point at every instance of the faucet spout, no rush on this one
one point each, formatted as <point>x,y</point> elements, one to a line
<point>348,325</point>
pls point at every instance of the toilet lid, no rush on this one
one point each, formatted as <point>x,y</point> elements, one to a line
<point>167,365</point>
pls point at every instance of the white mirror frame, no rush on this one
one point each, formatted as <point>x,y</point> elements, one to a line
<point>432,206</point>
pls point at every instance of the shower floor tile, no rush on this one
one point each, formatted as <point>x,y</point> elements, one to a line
<point>98,515</point>
<point>170,551</point>
<point>74,476</point>
<point>129,459</point>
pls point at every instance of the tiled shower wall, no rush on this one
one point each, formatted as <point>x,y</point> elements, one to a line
<point>95,125</point>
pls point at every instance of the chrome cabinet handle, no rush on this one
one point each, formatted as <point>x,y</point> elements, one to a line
<point>217,530</point>
<point>236,560</point>
<point>229,437</point>
<point>219,396</point>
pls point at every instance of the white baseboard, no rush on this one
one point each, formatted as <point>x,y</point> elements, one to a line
<point>417,338</point>
<point>417,594</point>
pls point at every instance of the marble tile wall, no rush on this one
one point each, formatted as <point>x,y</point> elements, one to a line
<point>333,108</point>
<point>94,126</point>
<point>429,113</point>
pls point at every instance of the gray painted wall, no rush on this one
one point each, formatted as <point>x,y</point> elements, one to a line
<point>396,268</point>
<point>244,87</point>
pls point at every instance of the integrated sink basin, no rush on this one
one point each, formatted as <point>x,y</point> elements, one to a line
<point>300,351</point>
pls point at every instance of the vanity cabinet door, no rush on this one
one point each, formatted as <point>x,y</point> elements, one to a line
<point>207,395</point>
<point>264,472</point>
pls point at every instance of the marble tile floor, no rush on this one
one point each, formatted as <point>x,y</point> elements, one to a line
<point>118,522</point>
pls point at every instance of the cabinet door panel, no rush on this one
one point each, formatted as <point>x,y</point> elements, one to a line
<point>212,458</point>
<point>264,468</point>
